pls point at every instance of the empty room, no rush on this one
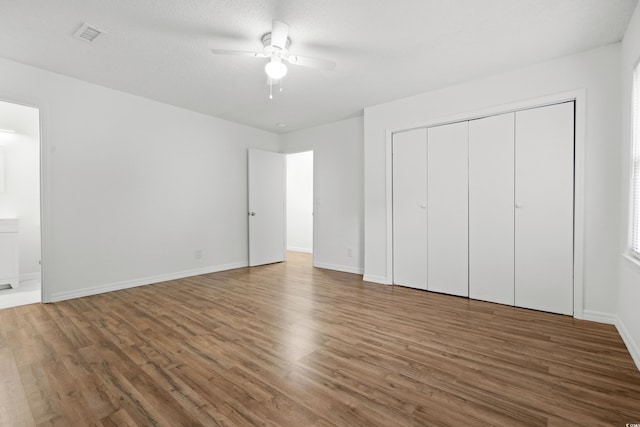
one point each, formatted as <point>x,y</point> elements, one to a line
<point>451,237</point>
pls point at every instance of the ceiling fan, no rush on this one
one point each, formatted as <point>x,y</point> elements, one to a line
<point>276,47</point>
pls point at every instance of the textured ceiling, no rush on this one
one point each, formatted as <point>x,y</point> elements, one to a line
<point>385,49</point>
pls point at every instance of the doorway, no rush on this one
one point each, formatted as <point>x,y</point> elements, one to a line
<point>20,233</point>
<point>300,204</point>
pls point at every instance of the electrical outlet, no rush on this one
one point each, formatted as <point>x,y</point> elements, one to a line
<point>198,254</point>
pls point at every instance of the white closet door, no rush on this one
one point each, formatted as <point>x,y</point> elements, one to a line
<point>544,208</point>
<point>491,209</point>
<point>410,208</point>
<point>448,209</point>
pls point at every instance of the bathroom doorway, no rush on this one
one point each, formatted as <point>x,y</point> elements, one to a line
<point>300,205</point>
<point>20,232</point>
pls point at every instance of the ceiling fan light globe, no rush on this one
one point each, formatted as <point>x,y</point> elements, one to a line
<point>275,69</point>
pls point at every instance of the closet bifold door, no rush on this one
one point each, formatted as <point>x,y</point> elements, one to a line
<point>491,209</point>
<point>410,208</point>
<point>448,209</point>
<point>544,208</point>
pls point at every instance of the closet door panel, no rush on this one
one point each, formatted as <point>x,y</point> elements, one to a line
<point>410,208</point>
<point>544,208</point>
<point>448,209</point>
<point>491,209</point>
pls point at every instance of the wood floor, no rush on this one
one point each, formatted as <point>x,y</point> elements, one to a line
<point>289,345</point>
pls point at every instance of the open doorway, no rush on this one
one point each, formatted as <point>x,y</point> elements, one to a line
<point>300,205</point>
<point>20,235</point>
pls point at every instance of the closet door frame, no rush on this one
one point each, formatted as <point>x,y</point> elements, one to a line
<point>579,96</point>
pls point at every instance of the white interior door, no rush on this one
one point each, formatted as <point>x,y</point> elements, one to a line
<point>448,209</point>
<point>267,221</point>
<point>410,208</point>
<point>491,209</point>
<point>544,208</point>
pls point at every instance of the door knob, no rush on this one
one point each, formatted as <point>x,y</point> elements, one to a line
<point>518,206</point>
<point>423,206</point>
<point>252,214</point>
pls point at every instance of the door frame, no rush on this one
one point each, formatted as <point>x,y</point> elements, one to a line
<point>44,165</point>
<point>313,190</point>
<point>579,97</point>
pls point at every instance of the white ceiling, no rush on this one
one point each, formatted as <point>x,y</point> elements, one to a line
<point>385,49</point>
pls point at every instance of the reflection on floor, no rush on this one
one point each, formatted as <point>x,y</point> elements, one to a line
<point>27,293</point>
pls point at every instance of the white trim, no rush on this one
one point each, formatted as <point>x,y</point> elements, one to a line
<point>47,252</point>
<point>580,98</point>
<point>632,346</point>
<point>30,278</point>
<point>633,261</point>
<point>297,249</point>
<point>580,120</point>
<point>632,157</point>
<point>389,193</point>
<point>343,268</point>
<point>314,220</point>
<point>613,319</point>
<point>296,150</point>
<point>110,287</point>
<point>496,110</point>
<point>382,280</point>
<point>599,316</point>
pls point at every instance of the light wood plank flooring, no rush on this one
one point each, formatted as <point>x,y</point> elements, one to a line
<point>289,345</point>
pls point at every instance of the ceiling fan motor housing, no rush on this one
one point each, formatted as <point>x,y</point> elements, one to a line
<point>270,49</point>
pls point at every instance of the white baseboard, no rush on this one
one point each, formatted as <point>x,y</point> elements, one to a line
<point>343,268</point>
<point>598,316</point>
<point>632,346</point>
<point>376,279</point>
<point>30,278</point>
<point>612,319</point>
<point>94,290</point>
<point>296,249</point>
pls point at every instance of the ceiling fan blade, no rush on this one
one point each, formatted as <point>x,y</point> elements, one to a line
<point>238,52</point>
<point>305,61</point>
<point>279,34</point>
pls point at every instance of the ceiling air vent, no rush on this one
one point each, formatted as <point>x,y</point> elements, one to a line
<point>87,33</point>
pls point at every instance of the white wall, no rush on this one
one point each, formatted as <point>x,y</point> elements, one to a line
<point>628,320</point>
<point>133,187</point>
<point>300,201</point>
<point>597,71</point>
<point>21,196</point>
<point>338,189</point>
